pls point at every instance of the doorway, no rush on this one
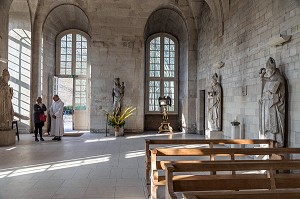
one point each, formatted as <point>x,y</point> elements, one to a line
<point>73,92</point>
<point>202,117</point>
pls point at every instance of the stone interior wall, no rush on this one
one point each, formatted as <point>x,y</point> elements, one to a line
<point>244,49</point>
<point>118,50</point>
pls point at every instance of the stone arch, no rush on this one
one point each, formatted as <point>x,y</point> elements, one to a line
<point>60,18</point>
<point>73,17</point>
<point>217,8</point>
<point>43,10</point>
<point>169,19</point>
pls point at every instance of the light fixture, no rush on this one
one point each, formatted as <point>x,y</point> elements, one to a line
<point>278,40</point>
<point>219,64</point>
<point>3,60</point>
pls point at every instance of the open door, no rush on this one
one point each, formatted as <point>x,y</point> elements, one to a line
<point>80,116</point>
<point>63,87</point>
<point>74,93</point>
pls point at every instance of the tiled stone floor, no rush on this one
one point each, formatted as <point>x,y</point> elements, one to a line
<point>85,167</point>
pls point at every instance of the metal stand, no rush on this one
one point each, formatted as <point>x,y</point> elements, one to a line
<point>106,124</point>
<point>165,125</point>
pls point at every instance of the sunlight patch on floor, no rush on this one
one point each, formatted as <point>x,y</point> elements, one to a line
<point>12,172</point>
<point>134,154</point>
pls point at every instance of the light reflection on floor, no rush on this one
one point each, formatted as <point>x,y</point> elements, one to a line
<point>89,166</point>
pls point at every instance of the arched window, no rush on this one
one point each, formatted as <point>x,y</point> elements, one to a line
<point>161,71</point>
<point>73,55</point>
<point>19,55</point>
<point>73,75</point>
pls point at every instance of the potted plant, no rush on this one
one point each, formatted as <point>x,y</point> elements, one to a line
<point>117,119</point>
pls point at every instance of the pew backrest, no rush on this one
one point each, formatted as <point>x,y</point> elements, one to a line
<point>270,179</point>
<point>210,143</point>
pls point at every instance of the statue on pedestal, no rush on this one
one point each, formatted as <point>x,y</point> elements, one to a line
<point>6,108</point>
<point>272,103</point>
<point>118,95</point>
<point>215,104</point>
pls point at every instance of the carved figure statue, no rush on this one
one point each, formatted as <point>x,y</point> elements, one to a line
<point>6,108</point>
<point>118,95</point>
<point>272,103</point>
<point>214,104</point>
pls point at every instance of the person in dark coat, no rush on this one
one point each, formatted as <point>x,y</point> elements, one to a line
<point>38,109</point>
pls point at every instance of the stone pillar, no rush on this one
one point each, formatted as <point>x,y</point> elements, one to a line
<point>4,13</point>
<point>36,38</point>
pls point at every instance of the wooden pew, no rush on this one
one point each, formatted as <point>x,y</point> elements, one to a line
<point>262,194</point>
<point>260,182</point>
<point>211,153</point>
<point>209,143</point>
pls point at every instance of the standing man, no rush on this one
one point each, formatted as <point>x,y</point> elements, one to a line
<point>56,113</point>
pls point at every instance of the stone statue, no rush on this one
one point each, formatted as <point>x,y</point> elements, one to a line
<point>118,95</point>
<point>215,105</point>
<point>6,108</point>
<point>272,103</point>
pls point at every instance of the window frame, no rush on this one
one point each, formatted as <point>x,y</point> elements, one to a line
<point>73,65</point>
<point>161,79</point>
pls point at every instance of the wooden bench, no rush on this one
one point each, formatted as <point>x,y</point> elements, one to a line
<point>209,143</point>
<point>262,194</point>
<point>241,180</point>
<point>211,154</point>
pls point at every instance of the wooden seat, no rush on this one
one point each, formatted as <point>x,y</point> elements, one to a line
<point>260,176</point>
<point>161,156</point>
<point>210,143</point>
<point>12,127</point>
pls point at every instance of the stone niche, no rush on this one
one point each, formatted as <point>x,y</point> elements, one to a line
<point>8,138</point>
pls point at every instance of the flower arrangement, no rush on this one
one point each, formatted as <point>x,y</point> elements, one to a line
<point>117,119</point>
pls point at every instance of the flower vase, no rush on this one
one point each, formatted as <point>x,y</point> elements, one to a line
<point>121,131</point>
<point>117,131</point>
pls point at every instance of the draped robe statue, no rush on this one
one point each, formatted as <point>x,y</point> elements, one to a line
<point>118,95</point>
<point>6,108</point>
<point>272,103</point>
<point>215,105</point>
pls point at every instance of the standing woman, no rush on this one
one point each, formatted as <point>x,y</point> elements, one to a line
<point>39,118</point>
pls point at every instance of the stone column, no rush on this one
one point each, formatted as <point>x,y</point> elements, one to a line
<point>4,13</point>
<point>36,38</point>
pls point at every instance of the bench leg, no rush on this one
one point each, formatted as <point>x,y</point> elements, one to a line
<point>154,191</point>
<point>147,177</point>
<point>12,127</point>
<point>17,131</point>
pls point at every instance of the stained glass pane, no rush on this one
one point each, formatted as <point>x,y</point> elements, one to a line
<point>169,90</point>
<point>169,57</point>
<point>78,37</point>
<point>154,55</point>
<point>154,94</point>
<point>63,50</point>
<point>156,68</point>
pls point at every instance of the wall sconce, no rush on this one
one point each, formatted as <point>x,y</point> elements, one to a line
<point>278,40</point>
<point>3,60</point>
<point>219,64</point>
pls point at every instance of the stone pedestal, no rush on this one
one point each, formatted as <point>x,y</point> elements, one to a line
<point>214,134</point>
<point>235,133</point>
<point>8,138</point>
